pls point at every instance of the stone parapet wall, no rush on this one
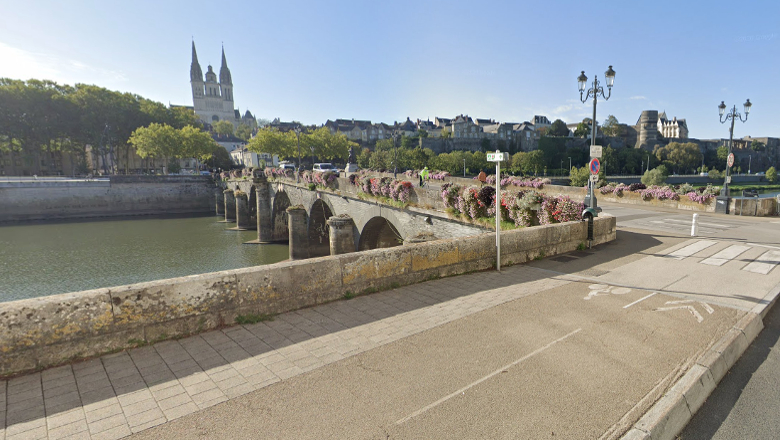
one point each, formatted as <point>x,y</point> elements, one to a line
<point>684,204</point>
<point>121,196</point>
<point>42,332</point>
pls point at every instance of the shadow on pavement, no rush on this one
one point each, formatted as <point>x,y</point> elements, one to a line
<point>725,400</point>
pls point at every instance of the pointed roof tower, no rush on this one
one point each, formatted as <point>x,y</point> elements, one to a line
<point>224,72</point>
<point>195,73</point>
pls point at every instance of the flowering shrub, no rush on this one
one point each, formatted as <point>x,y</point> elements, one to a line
<point>397,190</point>
<point>701,195</point>
<point>449,193</point>
<point>247,172</point>
<point>439,175</point>
<point>536,183</point>
<point>700,198</point>
<point>660,193</point>
<point>634,187</point>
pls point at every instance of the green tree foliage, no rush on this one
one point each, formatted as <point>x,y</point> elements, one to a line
<point>165,142</point>
<point>654,177</point>
<point>272,141</point>
<point>244,132</point>
<point>723,154</point>
<point>558,128</point>
<point>582,130</point>
<point>219,159</point>
<point>223,128</point>
<point>683,157</point>
<point>45,117</point>
<point>611,126</point>
<point>579,176</point>
<point>327,145</point>
<point>446,134</point>
<point>757,145</point>
<point>771,174</point>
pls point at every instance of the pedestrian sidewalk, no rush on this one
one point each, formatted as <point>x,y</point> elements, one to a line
<point>116,395</point>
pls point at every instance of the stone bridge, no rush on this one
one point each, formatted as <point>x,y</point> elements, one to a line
<point>331,221</point>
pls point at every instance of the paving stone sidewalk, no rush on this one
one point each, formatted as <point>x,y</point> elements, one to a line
<point>116,395</point>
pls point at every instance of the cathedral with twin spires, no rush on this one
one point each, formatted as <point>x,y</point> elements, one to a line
<point>213,100</point>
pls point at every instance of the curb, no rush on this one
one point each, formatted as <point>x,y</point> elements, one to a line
<point>669,415</point>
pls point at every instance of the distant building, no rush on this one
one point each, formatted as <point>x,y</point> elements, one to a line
<point>672,129</point>
<point>250,159</point>
<point>213,100</point>
<point>541,122</point>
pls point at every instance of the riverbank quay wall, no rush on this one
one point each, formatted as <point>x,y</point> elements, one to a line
<point>44,332</point>
<point>29,200</point>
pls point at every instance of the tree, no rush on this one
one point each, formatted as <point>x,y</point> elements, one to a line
<point>223,128</point>
<point>771,174</point>
<point>219,159</point>
<point>579,176</point>
<point>244,132</point>
<point>683,157</point>
<point>422,133</point>
<point>757,145</point>
<point>611,126</point>
<point>558,128</point>
<point>446,134</point>
<point>723,154</point>
<point>654,177</point>
<point>582,131</point>
<point>272,141</point>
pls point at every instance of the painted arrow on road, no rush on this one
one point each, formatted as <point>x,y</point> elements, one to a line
<point>690,309</point>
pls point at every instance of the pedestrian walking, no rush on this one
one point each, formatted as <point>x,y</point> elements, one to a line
<point>482,177</point>
<point>423,176</point>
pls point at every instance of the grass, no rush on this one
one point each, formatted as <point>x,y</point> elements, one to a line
<point>767,186</point>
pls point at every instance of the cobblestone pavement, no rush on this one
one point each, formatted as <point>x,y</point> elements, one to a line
<point>116,395</point>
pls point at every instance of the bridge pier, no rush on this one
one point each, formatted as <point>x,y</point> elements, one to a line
<point>220,197</point>
<point>242,211</point>
<point>230,205</point>
<point>342,236</point>
<point>299,233</point>
<point>265,226</point>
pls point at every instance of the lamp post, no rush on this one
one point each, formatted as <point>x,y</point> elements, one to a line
<point>570,166</point>
<point>594,92</point>
<point>733,114</point>
<point>464,167</point>
<point>297,131</point>
<point>750,161</point>
<point>561,167</point>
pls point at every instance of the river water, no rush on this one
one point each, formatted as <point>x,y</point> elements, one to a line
<point>46,259</point>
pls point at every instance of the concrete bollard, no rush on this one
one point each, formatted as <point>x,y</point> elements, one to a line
<point>695,225</point>
<point>342,236</point>
<point>230,205</point>
<point>265,227</point>
<point>299,233</point>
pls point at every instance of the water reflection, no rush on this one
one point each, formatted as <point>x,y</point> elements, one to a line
<point>45,259</point>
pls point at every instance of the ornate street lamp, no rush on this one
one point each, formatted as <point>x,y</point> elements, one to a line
<point>733,114</point>
<point>594,92</point>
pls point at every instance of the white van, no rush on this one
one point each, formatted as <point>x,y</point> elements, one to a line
<point>324,167</point>
<point>287,166</point>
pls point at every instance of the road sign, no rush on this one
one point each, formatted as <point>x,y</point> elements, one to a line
<point>728,179</point>
<point>594,178</point>
<point>595,151</point>
<point>495,157</point>
<point>730,160</point>
<point>594,166</point>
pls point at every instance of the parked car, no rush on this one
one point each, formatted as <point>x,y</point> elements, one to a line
<point>287,166</point>
<point>324,167</point>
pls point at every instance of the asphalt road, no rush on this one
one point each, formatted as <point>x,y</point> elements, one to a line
<point>746,404</point>
<point>590,341</point>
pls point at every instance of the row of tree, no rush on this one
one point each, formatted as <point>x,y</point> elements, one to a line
<point>39,117</point>
<point>318,142</point>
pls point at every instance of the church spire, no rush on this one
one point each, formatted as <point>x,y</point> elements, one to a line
<point>224,72</point>
<point>195,73</point>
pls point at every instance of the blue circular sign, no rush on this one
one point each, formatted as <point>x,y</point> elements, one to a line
<point>594,166</point>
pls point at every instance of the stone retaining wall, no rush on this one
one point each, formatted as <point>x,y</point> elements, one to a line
<point>43,332</point>
<point>119,196</point>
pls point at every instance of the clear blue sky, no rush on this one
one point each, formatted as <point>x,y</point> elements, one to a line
<point>383,61</point>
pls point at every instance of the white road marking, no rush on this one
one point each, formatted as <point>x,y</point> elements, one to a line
<point>604,289</point>
<point>725,255</point>
<point>688,222</point>
<point>765,263</point>
<point>764,245</point>
<point>690,309</point>
<point>639,300</point>
<point>691,249</point>
<point>475,383</point>
<point>693,311</point>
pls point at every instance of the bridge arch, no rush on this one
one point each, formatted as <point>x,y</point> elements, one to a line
<point>279,220</point>
<point>319,232</point>
<point>379,233</point>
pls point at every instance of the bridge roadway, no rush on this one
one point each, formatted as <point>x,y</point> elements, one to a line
<point>575,346</point>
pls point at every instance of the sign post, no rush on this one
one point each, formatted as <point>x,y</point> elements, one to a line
<point>497,157</point>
